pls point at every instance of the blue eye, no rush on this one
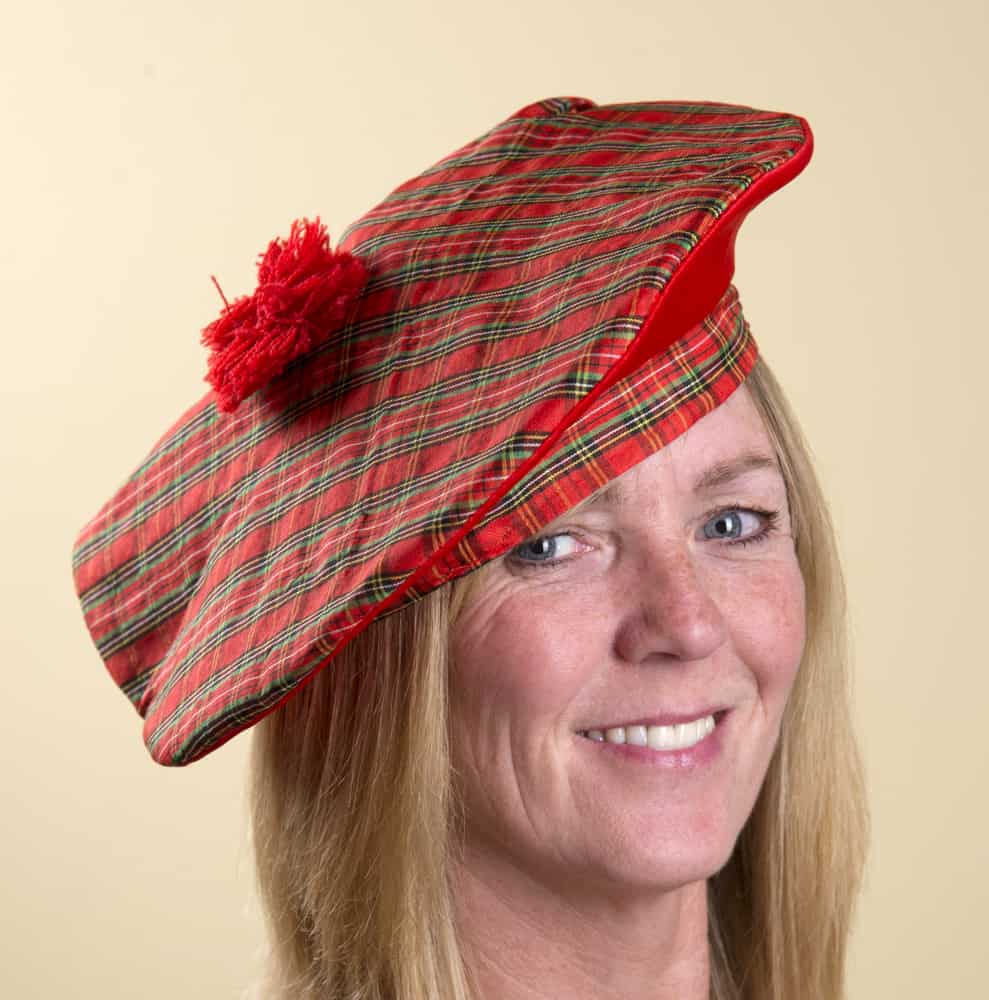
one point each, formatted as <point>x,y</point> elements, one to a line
<point>725,525</point>
<point>728,525</point>
<point>544,549</point>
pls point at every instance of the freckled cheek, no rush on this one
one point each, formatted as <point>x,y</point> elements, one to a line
<point>768,622</point>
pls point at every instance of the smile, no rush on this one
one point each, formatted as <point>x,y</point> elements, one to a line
<point>678,737</point>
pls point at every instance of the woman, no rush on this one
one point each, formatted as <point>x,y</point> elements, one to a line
<point>529,363</point>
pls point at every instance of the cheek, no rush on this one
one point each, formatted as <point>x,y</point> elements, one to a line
<point>524,660</point>
<point>514,673</point>
<point>769,626</point>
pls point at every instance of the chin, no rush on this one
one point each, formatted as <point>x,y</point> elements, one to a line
<point>668,864</point>
<point>669,874</point>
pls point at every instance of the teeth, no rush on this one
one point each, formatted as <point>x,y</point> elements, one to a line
<point>656,737</point>
<point>637,736</point>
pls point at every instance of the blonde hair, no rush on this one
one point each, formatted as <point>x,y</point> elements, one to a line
<point>780,912</point>
<point>352,806</point>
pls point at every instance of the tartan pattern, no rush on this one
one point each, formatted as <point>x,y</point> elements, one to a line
<point>546,307</point>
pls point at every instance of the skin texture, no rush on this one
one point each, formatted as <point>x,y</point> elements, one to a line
<point>583,873</point>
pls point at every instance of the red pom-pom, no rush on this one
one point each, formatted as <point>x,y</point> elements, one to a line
<point>304,292</point>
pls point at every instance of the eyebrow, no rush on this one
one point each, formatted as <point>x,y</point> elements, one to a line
<point>713,478</point>
<point>727,472</point>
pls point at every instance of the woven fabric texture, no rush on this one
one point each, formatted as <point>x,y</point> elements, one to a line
<point>545,307</point>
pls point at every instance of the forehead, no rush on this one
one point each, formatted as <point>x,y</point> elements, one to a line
<point>728,444</point>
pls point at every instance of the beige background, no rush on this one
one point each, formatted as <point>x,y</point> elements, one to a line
<point>147,145</point>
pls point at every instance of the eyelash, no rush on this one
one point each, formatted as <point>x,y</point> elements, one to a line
<point>770,525</point>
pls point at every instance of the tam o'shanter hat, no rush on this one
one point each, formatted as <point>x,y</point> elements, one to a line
<point>502,335</point>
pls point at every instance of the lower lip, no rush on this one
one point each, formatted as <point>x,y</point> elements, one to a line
<point>700,753</point>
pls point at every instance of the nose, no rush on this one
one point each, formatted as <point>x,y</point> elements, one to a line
<point>671,611</point>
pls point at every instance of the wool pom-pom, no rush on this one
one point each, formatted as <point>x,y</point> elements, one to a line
<point>304,293</point>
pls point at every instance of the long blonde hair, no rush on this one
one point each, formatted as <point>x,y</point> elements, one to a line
<point>352,805</point>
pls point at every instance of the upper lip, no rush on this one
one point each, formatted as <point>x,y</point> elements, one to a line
<point>663,719</point>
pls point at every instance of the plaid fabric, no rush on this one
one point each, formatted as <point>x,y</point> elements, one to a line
<point>546,307</point>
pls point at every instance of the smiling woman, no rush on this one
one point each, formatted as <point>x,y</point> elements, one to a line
<point>641,627</point>
<point>505,540</point>
<point>638,623</point>
<point>530,860</point>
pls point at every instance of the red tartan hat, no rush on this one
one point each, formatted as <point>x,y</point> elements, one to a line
<point>503,334</point>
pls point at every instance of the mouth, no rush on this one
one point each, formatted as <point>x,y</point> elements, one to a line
<point>669,736</point>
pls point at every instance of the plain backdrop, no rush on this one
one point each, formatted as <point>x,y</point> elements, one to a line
<point>146,146</point>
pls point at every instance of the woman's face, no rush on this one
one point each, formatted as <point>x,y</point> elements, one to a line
<point>676,591</point>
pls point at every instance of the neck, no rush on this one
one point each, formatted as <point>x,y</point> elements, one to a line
<point>525,939</point>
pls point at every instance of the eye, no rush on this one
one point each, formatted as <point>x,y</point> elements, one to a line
<point>545,549</point>
<point>740,525</point>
